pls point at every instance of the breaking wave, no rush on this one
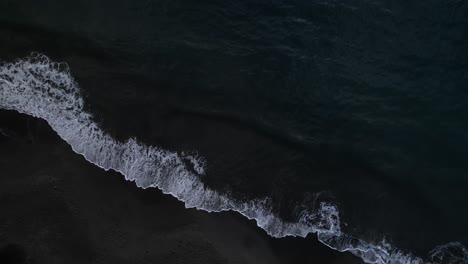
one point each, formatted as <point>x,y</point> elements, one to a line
<point>44,89</point>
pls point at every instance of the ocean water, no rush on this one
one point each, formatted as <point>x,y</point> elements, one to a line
<point>345,120</point>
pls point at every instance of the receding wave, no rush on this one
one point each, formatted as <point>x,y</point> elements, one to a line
<point>41,88</point>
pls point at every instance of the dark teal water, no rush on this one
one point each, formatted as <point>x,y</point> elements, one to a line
<point>362,101</point>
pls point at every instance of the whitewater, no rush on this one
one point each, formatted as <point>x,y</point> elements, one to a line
<point>38,87</point>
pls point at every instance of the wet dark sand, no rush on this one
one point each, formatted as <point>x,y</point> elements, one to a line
<point>58,208</point>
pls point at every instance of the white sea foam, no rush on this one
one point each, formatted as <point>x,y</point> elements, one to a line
<point>38,87</point>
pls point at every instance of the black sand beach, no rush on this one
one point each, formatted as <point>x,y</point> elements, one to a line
<point>58,208</point>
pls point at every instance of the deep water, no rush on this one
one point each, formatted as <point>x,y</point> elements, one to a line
<point>358,104</point>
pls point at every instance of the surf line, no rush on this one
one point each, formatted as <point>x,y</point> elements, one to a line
<point>38,87</point>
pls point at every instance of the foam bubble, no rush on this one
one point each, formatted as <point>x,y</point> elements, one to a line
<point>41,88</point>
<point>450,253</point>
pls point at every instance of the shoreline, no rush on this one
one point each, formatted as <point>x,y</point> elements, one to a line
<point>86,204</point>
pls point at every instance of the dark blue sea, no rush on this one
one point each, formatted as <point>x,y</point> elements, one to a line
<point>346,121</point>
